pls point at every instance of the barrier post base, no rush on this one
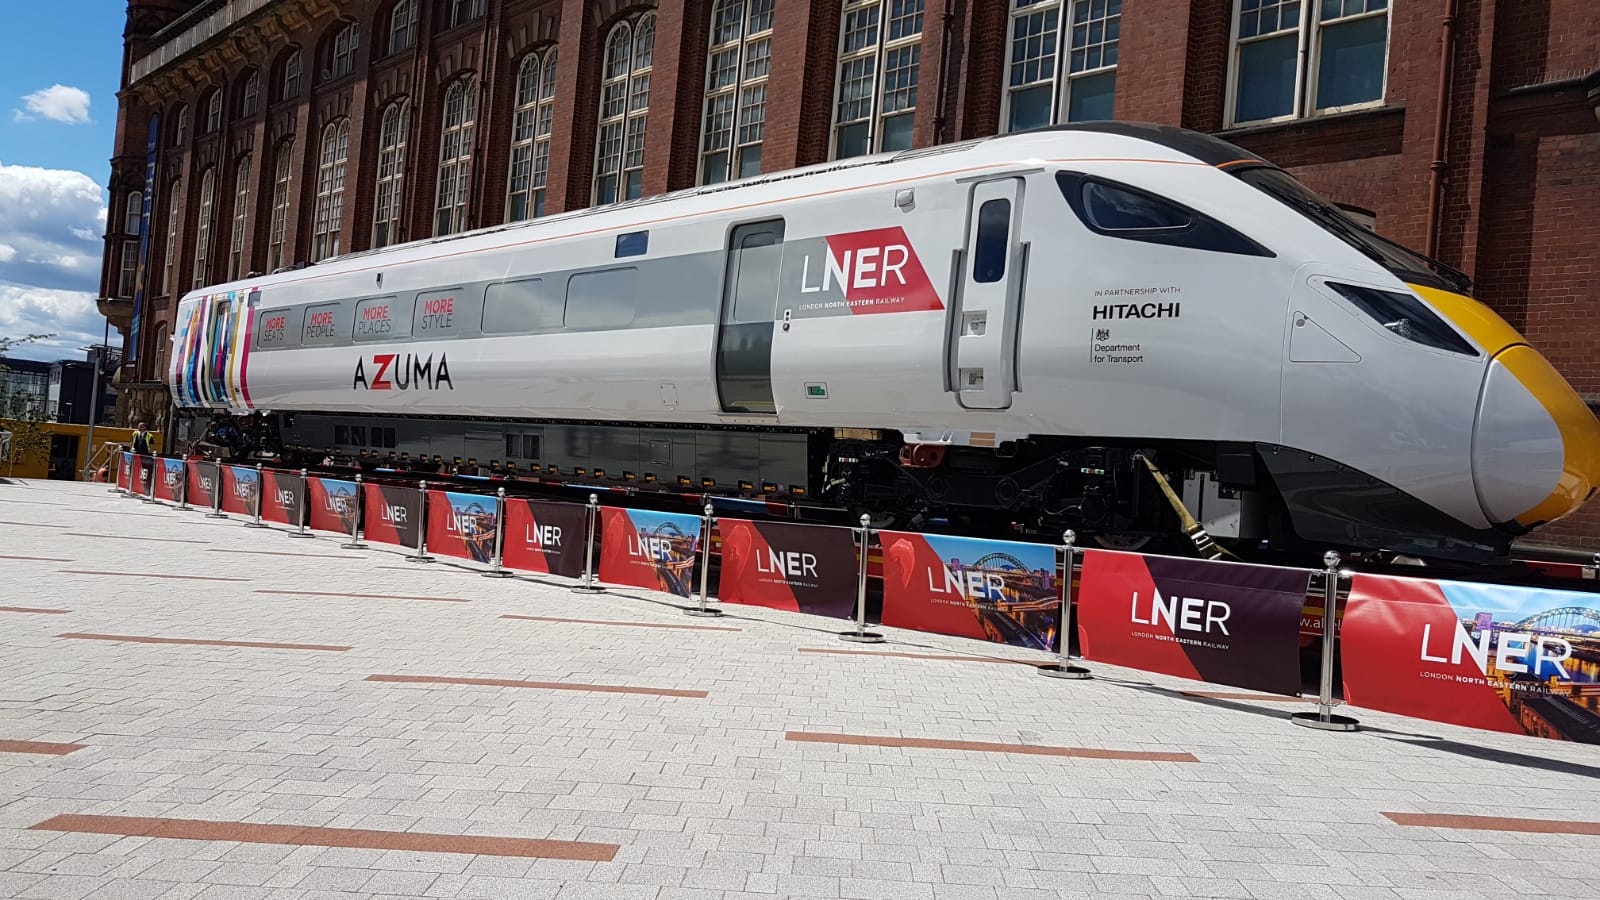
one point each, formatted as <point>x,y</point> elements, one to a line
<point>1328,722</point>
<point>861,637</point>
<point>708,612</point>
<point>256,525</point>
<point>301,534</point>
<point>588,589</point>
<point>352,545</point>
<point>420,558</point>
<point>216,515</point>
<point>500,574</point>
<point>1059,670</point>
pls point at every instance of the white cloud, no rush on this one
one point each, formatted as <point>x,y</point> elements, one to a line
<point>68,315</point>
<point>7,253</point>
<point>58,103</point>
<point>50,222</point>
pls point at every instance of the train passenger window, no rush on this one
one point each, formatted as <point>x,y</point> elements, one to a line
<point>358,435</point>
<point>274,327</point>
<point>325,325</point>
<point>634,243</point>
<point>438,313</point>
<point>387,435</point>
<point>755,296</point>
<point>1122,211</point>
<point>381,319</point>
<point>994,239</point>
<point>522,446</point>
<point>602,300</point>
<point>341,435</point>
<point>526,305</point>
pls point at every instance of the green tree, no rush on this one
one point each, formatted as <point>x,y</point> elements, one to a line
<point>19,414</point>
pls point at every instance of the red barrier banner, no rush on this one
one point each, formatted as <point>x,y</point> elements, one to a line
<point>125,472</point>
<point>332,504</point>
<point>203,477</point>
<point>1225,623</point>
<point>284,499</point>
<point>802,568</point>
<point>139,479</point>
<point>462,525</point>
<point>169,479</point>
<point>649,549</point>
<point>393,514</point>
<point>1001,591</point>
<point>1512,659</point>
<point>239,490</point>
<point>545,537</point>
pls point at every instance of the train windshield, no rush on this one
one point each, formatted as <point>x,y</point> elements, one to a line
<point>1406,264</point>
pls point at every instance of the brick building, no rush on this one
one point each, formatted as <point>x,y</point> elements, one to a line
<point>257,134</point>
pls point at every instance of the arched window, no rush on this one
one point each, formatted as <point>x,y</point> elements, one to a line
<point>250,95</point>
<point>391,173</point>
<point>241,216</point>
<point>214,111</point>
<point>289,80</point>
<point>330,190</point>
<point>624,110</point>
<point>278,225</point>
<point>133,213</point>
<point>736,89</point>
<point>1044,85</point>
<point>455,156</point>
<point>530,136</point>
<point>880,53</point>
<point>403,26</point>
<point>182,118</point>
<point>174,203</point>
<point>202,234</point>
<point>339,55</point>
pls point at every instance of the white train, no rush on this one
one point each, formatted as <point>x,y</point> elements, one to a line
<point>983,332</point>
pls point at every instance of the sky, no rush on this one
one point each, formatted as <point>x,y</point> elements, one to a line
<point>60,64</point>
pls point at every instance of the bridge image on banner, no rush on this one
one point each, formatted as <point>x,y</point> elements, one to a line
<point>1000,591</point>
<point>1513,659</point>
<point>333,504</point>
<point>462,525</point>
<point>649,549</point>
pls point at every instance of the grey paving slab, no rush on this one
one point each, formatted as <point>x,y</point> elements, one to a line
<point>704,797</point>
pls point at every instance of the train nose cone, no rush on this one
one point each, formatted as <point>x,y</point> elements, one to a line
<point>1536,446</point>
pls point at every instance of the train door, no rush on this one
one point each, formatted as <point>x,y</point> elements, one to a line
<point>749,312</point>
<point>983,319</point>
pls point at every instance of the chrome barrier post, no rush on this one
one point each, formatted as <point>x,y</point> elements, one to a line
<point>588,586</point>
<point>183,487</point>
<point>861,635</point>
<point>355,522</point>
<point>261,481</point>
<point>499,536</point>
<point>421,556</point>
<point>216,495</point>
<point>707,522</point>
<point>1324,719</point>
<point>1063,667</point>
<point>302,507</point>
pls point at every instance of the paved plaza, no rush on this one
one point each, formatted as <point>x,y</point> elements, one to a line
<point>190,708</point>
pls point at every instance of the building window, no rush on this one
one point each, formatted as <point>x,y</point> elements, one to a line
<point>251,95</point>
<point>182,119</point>
<point>241,216</point>
<point>290,85</point>
<point>739,61</point>
<point>330,190</point>
<point>128,277</point>
<point>624,110</point>
<point>278,226</point>
<point>133,213</point>
<point>464,11</point>
<point>403,26</point>
<point>880,52</point>
<point>1045,86</point>
<point>341,52</point>
<point>202,236</point>
<point>1294,58</point>
<point>391,174</point>
<point>530,136</point>
<point>174,200</point>
<point>455,156</point>
<point>214,111</point>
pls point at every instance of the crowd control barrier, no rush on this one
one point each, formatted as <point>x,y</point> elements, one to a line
<point>1510,659</point>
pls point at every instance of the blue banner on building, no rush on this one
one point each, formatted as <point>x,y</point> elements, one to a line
<point>140,276</point>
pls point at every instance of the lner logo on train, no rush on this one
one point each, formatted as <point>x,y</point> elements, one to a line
<point>859,273</point>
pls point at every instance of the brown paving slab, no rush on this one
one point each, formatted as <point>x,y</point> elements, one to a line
<point>367,596</point>
<point>950,658</point>
<point>38,558</point>
<point>46,748</point>
<point>132,537</point>
<point>151,574</point>
<point>868,740</point>
<point>673,626</point>
<point>307,836</point>
<point>1269,698</point>
<point>140,639</point>
<point>542,685</point>
<point>282,553</point>
<point>31,609</point>
<point>1493,823</point>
